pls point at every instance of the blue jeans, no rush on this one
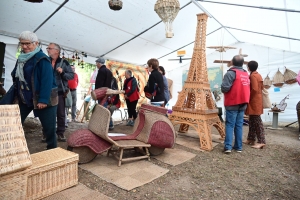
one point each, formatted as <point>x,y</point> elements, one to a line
<point>234,124</point>
<point>111,123</point>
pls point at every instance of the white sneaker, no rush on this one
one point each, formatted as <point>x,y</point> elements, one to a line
<point>227,151</point>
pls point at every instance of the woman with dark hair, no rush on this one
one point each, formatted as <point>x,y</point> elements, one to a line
<point>166,86</point>
<point>131,96</point>
<point>255,108</point>
<point>155,82</point>
<point>35,84</point>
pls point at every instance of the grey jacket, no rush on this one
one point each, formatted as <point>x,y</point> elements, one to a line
<point>227,83</point>
<point>66,75</point>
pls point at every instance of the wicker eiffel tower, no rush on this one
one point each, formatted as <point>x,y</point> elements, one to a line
<point>195,106</point>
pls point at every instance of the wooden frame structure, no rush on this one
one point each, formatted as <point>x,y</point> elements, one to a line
<point>195,106</point>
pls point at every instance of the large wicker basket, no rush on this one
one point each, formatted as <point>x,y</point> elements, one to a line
<point>267,82</point>
<point>14,154</point>
<point>14,185</point>
<point>278,79</point>
<point>52,171</point>
<point>289,76</point>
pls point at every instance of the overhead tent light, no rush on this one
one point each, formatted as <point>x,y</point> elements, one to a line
<point>34,1</point>
<point>167,10</point>
<point>115,4</point>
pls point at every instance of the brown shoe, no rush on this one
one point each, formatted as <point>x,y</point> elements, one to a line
<point>250,142</point>
<point>258,146</point>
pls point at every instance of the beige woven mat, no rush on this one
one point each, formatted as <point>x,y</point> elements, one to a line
<point>191,140</point>
<point>175,156</point>
<point>78,192</point>
<point>128,176</point>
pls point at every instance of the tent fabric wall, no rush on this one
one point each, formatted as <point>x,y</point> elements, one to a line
<point>277,59</point>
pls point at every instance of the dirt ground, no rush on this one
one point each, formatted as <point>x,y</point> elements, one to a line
<point>269,173</point>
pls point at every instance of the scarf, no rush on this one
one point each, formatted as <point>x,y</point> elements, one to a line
<point>22,59</point>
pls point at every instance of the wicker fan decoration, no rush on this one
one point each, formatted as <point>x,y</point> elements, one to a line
<point>289,76</point>
<point>267,82</point>
<point>278,79</point>
<point>115,4</point>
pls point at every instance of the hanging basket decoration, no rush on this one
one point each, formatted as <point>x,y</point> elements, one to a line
<point>267,82</point>
<point>278,79</point>
<point>167,10</point>
<point>289,76</point>
<point>115,4</point>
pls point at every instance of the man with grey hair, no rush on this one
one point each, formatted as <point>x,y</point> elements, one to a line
<point>236,89</point>
<point>63,73</point>
<point>104,75</point>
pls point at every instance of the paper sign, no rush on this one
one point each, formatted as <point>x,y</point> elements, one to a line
<point>276,89</point>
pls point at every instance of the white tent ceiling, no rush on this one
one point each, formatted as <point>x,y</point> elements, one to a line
<point>90,26</point>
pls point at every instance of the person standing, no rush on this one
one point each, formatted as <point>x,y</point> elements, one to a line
<point>63,73</point>
<point>73,84</point>
<point>104,75</point>
<point>236,89</point>
<point>35,83</point>
<point>255,108</point>
<point>155,82</point>
<point>166,86</point>
<point>131,96</point>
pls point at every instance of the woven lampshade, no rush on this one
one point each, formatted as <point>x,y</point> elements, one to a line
<point>115,4</point>
<point>167,10</point>
<point>289,76</point>
<point>278,79</point>
<point>267,82</point>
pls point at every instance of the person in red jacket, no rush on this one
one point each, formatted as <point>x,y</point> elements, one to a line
<point>131,96</point>
<point>73,83</point>
<point>236,89</point>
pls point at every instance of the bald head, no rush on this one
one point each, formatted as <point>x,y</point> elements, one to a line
<point>238,61</point>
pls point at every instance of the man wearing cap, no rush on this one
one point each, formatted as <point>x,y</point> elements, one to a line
<point>104,75</point>
<point>73,86</point>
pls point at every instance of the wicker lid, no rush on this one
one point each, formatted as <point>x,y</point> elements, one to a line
<point>289,76</point>
<point>14,154</point>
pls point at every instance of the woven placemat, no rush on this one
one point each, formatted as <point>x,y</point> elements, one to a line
<point>128,176</point>
<point>174,156</point>
<point>78,192</point>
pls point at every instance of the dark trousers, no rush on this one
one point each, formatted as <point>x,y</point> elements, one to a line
<point>131,106</point>
<point>61,115</point>
<point>74,101</point>
<point>47,117</point>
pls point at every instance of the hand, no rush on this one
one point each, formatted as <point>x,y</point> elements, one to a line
<point>126,97</point>
<point>59,70</point>
<point>41,105</point>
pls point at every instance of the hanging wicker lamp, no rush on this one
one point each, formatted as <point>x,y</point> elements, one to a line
<point>278,79</point>
<point>289,76</point>
<point>115,4</point>
<point>167,10</point>
<point>267,82</point>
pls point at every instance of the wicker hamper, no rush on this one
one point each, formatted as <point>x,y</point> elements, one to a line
<point>14,185</point>
<point>52,171</point>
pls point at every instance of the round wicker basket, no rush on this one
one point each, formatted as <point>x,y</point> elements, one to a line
<point>278,79</point>
<point>115,4</point>
<point>267,82</point>
<point>289,76</point>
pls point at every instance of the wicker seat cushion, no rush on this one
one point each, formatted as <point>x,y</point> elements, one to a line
<point>131,143</point>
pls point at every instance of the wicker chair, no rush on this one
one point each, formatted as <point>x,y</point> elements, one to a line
<point>99,124</point>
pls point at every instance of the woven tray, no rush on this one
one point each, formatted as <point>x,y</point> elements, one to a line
<point>14,185</point>
<point>52,171</point>
<point>14,154</point>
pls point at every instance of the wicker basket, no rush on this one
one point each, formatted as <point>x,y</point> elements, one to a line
<point>14,154</point>
<point>267,82</point>
<point>52,171</point>
<point>278,79</point>
<point>14,185</point>
<point>289,76</point>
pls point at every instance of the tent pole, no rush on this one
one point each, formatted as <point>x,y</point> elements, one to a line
<point>259,7</point>
<point>263,33</point>
<point>57,9</point>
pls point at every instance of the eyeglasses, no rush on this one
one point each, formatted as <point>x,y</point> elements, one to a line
<point>48,48</point>
<point>25,43</point>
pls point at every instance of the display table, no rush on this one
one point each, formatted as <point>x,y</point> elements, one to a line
<point>275,120</point>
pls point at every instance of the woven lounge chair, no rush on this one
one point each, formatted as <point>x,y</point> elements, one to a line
<point>99,124</point>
